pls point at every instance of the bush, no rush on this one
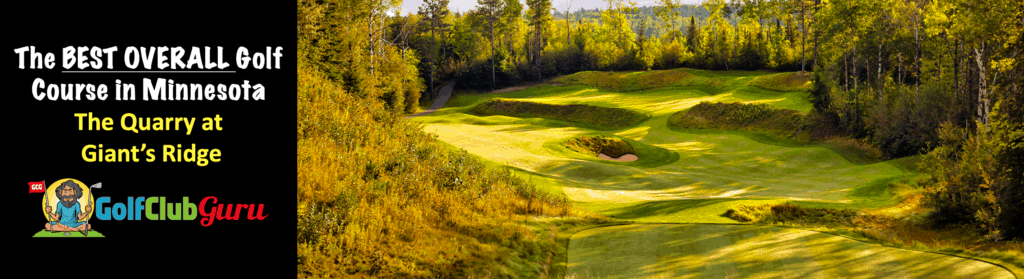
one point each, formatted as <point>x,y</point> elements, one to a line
<point>904,124</point>
<point>971,181</point>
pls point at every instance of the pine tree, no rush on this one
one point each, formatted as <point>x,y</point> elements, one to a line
<point>491,9</point>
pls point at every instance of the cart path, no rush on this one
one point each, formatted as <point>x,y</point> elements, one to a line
<point>442,98</point>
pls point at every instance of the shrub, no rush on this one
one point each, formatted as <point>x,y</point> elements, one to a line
<point>969,184</point>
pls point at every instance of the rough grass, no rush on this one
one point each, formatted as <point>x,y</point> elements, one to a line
<point>741,117</point>
<point>788,212</point>
<point>593,145</point>
<point>783,82</point>
<point>587,114</point>
<point>639,81</point>
<point>378,197</point>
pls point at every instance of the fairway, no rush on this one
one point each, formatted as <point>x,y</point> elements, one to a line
<point>692,176</point>
<point>746,251</point>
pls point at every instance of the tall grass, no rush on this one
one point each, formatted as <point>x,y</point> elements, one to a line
<point>783,82</point>
<point>378,197</point>
<point>639,81</point>
<point>739,116</point>
<point>587,114</point>
<point>613,147</point>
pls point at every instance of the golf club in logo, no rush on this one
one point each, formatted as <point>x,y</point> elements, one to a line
<point>67,205</point>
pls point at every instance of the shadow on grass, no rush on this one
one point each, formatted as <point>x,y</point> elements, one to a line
<point>741,251</point>
<point>669,207</point>
<point>852,155</point>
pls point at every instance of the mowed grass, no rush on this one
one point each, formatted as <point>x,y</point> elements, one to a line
<point>738,167</point>
<point>683,175</point>
<point>745,251</point>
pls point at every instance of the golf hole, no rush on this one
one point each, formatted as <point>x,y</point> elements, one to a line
<point>623,158</point>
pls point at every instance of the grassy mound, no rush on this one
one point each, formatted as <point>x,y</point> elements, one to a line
<point>788,213</point>
<point>613,147</point>
<point>378,197</point>
<point>783,82</point>
<point>739,116</point>
<point>638,81</point>
<point>587,114</point>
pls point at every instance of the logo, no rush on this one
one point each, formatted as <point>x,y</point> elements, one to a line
<point>67,206</point>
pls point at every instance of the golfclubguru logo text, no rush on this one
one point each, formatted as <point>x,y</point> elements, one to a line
<point>157,208</point>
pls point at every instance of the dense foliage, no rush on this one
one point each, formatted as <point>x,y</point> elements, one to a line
<point>378,197</point>
<point>932,77</point>
<point>503,43</point>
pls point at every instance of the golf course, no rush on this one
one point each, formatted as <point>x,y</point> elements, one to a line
<point>673,197</point>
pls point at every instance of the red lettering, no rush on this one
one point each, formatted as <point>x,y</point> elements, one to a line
<point>221,215</point>
<point>218,212</point>
<point>259,214</point>
<point>238,209</point>
<point>207,216</point>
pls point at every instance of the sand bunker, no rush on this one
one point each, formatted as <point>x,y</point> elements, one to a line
<point>623,158</point>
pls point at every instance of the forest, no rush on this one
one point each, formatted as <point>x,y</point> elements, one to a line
<point>936,81</point>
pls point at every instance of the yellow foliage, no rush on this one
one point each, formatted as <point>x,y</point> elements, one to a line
<point>379,197</point>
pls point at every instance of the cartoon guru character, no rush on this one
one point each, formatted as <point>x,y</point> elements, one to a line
<point>68,210</point>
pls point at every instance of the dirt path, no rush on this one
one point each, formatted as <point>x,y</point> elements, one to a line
<point>442,98</point>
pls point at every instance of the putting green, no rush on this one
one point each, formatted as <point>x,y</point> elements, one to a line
<point>744,251</point>
<point>685,176</point>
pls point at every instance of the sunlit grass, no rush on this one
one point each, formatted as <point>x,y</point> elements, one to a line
<point>689,175</point>
<point>720,251</point>
<point>792,81</point>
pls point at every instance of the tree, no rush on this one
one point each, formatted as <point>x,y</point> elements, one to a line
<point>714,8</point>
<point>513,16</point>
<point>667,11</point>
<point>540,14</point>
<point>803,38</point>
<point>568,27</point>
<point>691,35</point>
<point>491,9</point>
<point>433,13</point>
<point>912,21</point>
